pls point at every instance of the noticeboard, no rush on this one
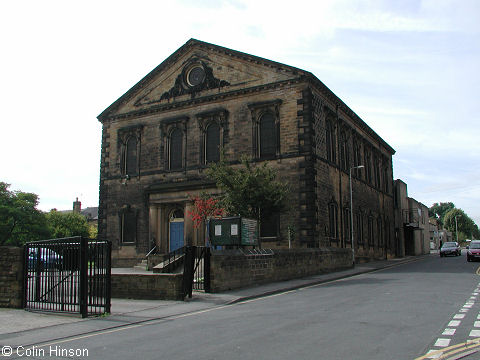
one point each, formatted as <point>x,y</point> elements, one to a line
<point>233,231</point>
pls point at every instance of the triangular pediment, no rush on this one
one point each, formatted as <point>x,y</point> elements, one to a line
<point>198,70</point>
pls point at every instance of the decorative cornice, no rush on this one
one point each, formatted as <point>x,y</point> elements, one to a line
<point>175,120</point>
<point>210,113</point>
<point>200,100</point>
<point>264,104</point>
<point>182,87</point>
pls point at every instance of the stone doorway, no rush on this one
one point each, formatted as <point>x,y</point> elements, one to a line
<point>176,223</point>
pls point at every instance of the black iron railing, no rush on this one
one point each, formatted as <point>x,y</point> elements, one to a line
<point>196,274</point>
<point>70,275</point>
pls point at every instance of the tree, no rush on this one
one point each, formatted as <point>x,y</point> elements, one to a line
<point>20,220</point>
<point>67,224</point>
<point>204,206</point>
<point>465,224</point>
<point>438,211</point>
<point>476,233</point>
<point>249,190</point>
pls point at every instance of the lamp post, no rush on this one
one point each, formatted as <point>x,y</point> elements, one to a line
<point>351,208</point>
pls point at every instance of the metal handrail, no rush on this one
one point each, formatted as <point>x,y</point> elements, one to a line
<point>174,255</point>
<point>151,251</point>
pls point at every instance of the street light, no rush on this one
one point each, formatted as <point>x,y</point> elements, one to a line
<point>456,226</point>
<point>351,208</point>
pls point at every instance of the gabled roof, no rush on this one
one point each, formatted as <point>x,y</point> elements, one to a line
<point>183,49</point>
<point>298,73</point>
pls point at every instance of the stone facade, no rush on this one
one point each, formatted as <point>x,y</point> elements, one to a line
<point>157,140</point>
<point>11,276</point>
<point>412,227</point>
<point>234,269</point>
<point>149,286</point>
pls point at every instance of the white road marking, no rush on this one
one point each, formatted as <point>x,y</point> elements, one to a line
<point>454,323</point>
<point>476,324</point>
<point>449,332</point>
<point>435,356</point>
<point>475,333</point>
<point>459,316</point>
<point>442,342</point>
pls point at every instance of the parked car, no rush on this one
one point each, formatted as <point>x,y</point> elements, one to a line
<point>473,251</point>
<point>48,258</point>
<point>450,248</point>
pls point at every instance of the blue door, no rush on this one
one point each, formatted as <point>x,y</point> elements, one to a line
<point>176,235</point>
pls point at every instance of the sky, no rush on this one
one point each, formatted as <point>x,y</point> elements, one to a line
<point>409,69</point>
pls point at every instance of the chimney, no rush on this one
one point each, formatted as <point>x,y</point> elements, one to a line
<point>77,206</point>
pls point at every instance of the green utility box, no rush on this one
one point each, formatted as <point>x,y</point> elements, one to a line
<point>233,231</point>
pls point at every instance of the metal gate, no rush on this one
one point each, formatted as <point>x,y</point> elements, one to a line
<point>69,275</point>
<point>196,274</point>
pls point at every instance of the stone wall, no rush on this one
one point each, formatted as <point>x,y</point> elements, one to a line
<point>148,286</point>
<point>231,269</point>
<point>11,276</point>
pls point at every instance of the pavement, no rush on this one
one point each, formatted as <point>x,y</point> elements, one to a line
<point>19,323</point>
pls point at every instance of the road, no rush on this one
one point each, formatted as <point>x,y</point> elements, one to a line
<point>398,313</point>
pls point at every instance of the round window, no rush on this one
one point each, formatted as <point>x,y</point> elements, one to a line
<point>195,76</point>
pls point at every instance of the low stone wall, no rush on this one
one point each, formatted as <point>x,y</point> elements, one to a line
<point>147,286</point>
<point>232,269</point>
<point>125,262</point>
<point>11,276</point>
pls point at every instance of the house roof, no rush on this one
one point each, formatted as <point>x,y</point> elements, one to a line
<point>305,75</point>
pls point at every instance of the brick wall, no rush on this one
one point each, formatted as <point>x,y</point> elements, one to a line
<point>11,276</point>
<point>151,286</point>
<point>231,269</point>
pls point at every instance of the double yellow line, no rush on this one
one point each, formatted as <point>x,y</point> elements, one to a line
<point>452,350</point>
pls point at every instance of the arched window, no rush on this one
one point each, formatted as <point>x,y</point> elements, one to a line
<point>376,171</point>
<point>267,136</point>
<point>344,154</point>
<point>380,232</point>
<point>386,180</point>
<point>176,147</point>
<point>131,156</point>
<point>212,143</point>
<point>330,141</point>
<point>346,226</point>
<point>129,140</point>
<point>368,167</point>
<point>359,220</point>
<point>128,224</point>
<point>265,129</point>
<point>333,221</point>
<point>371,235</point>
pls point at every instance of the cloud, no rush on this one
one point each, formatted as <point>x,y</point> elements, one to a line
<point>408,68</point>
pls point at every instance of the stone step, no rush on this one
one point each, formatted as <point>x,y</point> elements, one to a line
<point>141,265</point>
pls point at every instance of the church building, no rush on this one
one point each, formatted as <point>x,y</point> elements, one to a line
<point>203,100</point>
